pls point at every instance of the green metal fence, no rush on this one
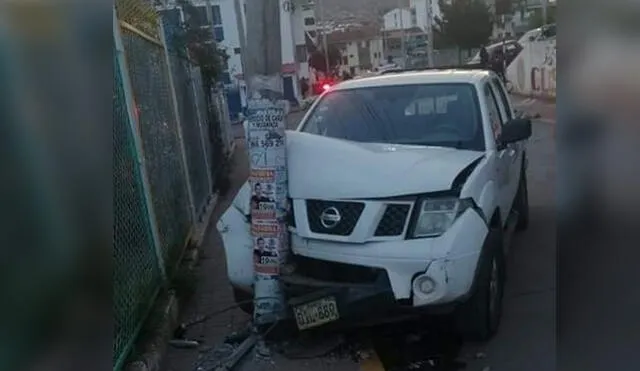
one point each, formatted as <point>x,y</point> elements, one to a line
<point>161,170</point>
<point>137,276</point>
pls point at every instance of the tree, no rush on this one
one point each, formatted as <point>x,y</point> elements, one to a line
<point>317,59</point>
<point>199,46</point>
<point>466,24</point>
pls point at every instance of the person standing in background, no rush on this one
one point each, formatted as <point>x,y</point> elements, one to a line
<point>484,57</point>
<point>304,87</point>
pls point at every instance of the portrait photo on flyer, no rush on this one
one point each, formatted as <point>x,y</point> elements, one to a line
<point>265,255</point>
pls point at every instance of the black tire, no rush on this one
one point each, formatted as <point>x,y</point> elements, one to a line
<point>478,319</point>
<point>522,202</point>
<point>244,300</point>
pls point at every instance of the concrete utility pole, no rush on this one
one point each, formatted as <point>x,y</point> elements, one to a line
<point>267,155</point>
<point>263,56</point>
<point>403,47</point>
<point>237,5</point>
<point>430,22</point>
<point>325,47</point>
<point>545,4</point>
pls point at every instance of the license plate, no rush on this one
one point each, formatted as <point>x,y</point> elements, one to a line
<point>316,313</point>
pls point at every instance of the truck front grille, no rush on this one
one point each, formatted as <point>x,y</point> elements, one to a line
<point>393,220</point>
<point>349,215</point>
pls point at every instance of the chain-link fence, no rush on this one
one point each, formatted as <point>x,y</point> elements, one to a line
<point>162,168</point>
<point>136,271</point>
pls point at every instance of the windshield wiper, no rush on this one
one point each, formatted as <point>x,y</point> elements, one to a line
<point>457,144</point>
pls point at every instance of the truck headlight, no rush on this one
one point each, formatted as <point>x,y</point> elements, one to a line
<point>435,215</point>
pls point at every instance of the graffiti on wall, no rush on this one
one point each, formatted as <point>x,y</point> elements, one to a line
<point>534,70</point>
<point>543,75</point>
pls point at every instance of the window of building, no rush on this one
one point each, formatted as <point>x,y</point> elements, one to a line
<point>226,78</point>
<point>301,53</point>
<point>351,55</point>
<point>309,21</point>
<point>217,16</point>
<point>199,16</point>
<point>237,50</point>
<point>218,32</point>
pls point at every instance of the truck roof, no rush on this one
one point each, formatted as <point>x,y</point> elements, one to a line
<point>416,77</point>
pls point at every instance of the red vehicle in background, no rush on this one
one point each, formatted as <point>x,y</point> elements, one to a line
<point>323,85</point>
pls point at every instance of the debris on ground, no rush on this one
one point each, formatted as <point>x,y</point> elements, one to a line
<point>184,344</point>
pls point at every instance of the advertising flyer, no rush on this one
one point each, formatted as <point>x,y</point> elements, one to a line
<point>264,212</point>
<point>267,146</point>
<point>267,230</point>
<point>268,194</point>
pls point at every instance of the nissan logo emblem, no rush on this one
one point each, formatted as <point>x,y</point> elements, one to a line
<point>330,217</point>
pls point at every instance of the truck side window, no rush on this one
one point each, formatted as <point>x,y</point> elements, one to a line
<point>494,112</point>
<point>502,96</point>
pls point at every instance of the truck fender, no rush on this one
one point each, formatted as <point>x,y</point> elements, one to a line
<point>487,201</point>
<point>235,230</point>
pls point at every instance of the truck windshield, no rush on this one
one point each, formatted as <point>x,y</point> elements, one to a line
<point>445,115</point>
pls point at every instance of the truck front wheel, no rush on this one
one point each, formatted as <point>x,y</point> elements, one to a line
<point>477,319</point>
<point>244,300</point>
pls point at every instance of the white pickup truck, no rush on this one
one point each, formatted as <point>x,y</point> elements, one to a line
<point>404,189</point>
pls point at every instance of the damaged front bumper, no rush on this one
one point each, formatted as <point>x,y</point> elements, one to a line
<point>367,299</point>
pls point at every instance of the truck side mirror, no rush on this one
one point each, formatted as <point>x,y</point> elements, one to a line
<point>515,130</point>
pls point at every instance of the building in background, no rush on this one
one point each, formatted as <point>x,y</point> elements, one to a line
<point>398,19</point>
<point>226,31</point>
<point>361,49</point>
<point>421,10</point>
<point>415,44</point>
<point>219,17</point>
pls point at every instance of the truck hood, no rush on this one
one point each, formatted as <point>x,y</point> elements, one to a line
<point>328,168</point>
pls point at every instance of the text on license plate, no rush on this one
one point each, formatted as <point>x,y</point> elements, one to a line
<point>316,313</point>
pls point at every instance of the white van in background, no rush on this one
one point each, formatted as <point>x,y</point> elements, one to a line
<point>538,34</point>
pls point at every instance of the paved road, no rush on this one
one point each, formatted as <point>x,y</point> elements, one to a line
<point>527,337</point>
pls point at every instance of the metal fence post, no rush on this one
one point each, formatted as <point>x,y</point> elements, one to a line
<point>200,124</point>
<point>176,112</point>
<point>140,160</point>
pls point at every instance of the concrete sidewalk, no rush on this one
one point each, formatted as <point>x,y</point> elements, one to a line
<point>213,294</point>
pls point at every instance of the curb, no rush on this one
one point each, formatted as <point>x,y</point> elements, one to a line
<point>167,310</point>
<point>155,347</point>
<point>543,98</point>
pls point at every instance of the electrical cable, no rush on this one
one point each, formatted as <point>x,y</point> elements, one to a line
<point>204,318</point>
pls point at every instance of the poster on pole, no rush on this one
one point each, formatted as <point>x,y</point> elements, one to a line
<point>269,201</point>
<point>267,146</point>
<point>266,255</point>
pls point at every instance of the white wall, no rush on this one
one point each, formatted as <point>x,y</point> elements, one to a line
<point>397,19</point>
<point>533,72</point>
